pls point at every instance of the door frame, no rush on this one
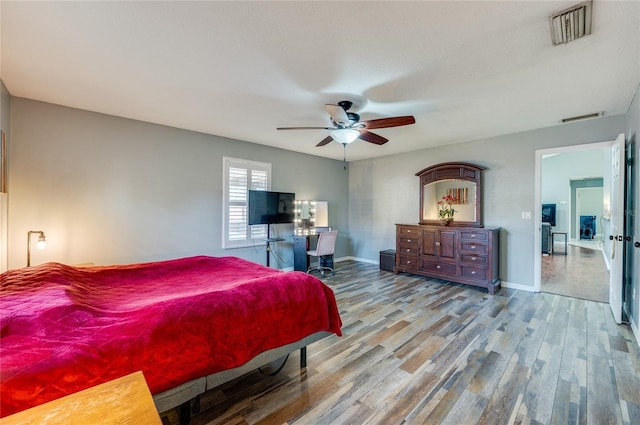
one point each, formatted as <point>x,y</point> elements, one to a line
<point>539,154</point>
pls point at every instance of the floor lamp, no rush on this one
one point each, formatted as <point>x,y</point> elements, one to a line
<point>42,242</point>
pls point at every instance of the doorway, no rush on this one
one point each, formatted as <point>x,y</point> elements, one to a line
<point>587,215</point>
<point>573,178</point>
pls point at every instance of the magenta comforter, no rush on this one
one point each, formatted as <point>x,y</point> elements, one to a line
<point>64,329</point>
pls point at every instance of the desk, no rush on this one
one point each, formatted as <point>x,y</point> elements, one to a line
<point>303,243</point>
<point>553,240</point>
<point>125,400</point>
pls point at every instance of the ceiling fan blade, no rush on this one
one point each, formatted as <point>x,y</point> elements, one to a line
<point>370,137</point>
<point>338,114</point>
<point>389,122</point>
<point>325,141</point>
<point>305,128</point>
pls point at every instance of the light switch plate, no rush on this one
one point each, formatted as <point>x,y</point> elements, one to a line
<point>526,215</point>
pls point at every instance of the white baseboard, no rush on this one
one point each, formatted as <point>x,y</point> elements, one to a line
<point>338,260</point>
<point>518,286</point>
<point>363,260</point>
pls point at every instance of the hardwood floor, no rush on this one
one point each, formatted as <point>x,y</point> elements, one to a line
<point>582,273</point>
<point>421,351</point>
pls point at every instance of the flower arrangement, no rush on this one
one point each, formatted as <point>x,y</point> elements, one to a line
<point>445,207</point>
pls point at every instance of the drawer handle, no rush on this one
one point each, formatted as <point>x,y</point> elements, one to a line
<point>408,249</point>
<point>473,235</point>
<point>473,272</point>
<point>437,243</point>
<point>408,240</point>
<point>473,247</point>
<point>408,261</point>
<point>474,258</point>
<point>438,267</point>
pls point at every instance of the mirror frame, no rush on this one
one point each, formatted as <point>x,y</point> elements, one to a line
<point>452,171</point>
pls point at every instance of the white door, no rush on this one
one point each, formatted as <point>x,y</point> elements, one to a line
<point>617,226</point>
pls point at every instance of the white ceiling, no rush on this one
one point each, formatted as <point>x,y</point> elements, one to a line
<point>465,70</point>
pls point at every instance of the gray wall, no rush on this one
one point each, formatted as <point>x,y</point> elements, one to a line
<point>384,191</point>
<point>109,190</point>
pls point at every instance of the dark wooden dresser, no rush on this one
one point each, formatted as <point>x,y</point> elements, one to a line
<point>468,255</point>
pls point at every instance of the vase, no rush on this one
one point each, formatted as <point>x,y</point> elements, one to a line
<point>446,221</point>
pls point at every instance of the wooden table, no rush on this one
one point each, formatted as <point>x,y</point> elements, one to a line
<point>125,400</point>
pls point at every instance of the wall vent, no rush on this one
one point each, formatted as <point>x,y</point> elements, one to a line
<point>571,23</point>
<point>581,117</point>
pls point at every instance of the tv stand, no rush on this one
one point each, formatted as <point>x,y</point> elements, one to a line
<point>269,241</point>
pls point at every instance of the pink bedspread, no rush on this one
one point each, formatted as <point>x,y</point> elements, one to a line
<point>64,329</point>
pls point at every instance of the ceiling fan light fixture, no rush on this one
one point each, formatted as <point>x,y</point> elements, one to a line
<point>345,135</point>
<point>347,126</point>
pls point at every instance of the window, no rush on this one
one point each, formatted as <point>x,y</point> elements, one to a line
<point>240,176</point>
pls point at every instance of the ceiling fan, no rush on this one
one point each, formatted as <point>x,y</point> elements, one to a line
<point>347,126</point>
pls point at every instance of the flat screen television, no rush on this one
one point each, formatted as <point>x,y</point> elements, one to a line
<point>271,207</point>
<point>549,214</point>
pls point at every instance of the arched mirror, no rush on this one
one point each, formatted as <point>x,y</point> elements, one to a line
<point>454,186</point>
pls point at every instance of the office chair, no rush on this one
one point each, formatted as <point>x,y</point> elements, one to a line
<point>324,250</point>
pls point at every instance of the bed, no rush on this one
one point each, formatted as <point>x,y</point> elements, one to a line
<point>188,324</point>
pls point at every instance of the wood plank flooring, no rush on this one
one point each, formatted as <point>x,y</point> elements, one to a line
<point>422,351</point>
<point>582,273</point>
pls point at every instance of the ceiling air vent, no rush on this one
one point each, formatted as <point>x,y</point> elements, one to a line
<point>571,23</point>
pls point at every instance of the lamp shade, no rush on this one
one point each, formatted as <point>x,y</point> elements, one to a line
<point>42,242</point>
<point>345,135</point>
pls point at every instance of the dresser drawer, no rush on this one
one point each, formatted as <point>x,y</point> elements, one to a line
<point>408,231</point>
<point>411,241</point>
<point>473,272</point>
<point>407,263</point>
<point>474,260</point>
<point>440,268</point>
<point>474,235</point>
<point>473,248</point>
<point>408,250</point>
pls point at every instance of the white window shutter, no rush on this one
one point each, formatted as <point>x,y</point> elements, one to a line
<point>240,176</point>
